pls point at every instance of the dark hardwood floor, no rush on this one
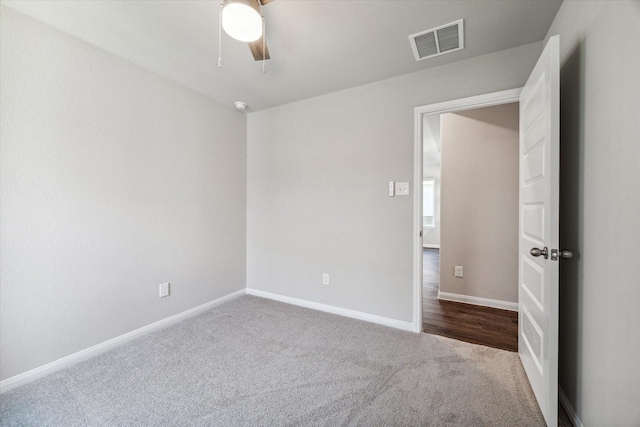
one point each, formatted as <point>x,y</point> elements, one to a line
<point>479,325</point>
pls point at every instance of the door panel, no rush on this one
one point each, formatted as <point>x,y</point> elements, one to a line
<point>539,183</point>
<point>533,224</point>
<point>533,281</point>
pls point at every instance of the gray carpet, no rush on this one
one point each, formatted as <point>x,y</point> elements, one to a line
<point>257,362</point>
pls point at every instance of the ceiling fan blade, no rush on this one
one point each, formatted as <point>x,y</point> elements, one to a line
<point>264,2</point>
<point>256,50</point>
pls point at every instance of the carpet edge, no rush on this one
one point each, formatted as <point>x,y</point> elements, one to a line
<point>82,355</point>
<point>367,317</point>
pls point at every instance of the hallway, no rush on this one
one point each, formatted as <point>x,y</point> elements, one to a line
<point>471,323</point>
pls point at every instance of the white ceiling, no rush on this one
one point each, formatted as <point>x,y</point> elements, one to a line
<point>317,47</point>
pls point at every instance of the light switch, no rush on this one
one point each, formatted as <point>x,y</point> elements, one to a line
<point>402,188</point>
<point>392,188</point>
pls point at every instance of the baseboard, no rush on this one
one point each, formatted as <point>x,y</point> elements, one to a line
<point>485,302</point>
<point>428,246</point>
<point>373,318</point>
<point>72,359</point>
<point>571,413</point>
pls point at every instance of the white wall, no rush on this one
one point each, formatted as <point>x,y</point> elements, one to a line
<point>600,203</point>
<point>431,235</point>
<point>431,165</point>
<point>480,202</point>
<point>113,180</point>
<point>318,173</point>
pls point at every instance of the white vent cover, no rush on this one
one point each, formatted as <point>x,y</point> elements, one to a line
<point>438,41</point>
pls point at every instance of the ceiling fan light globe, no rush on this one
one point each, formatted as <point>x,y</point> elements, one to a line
<point>242,22</point>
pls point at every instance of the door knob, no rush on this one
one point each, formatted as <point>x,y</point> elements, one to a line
<point>537,252</point>
<point>557,254</point>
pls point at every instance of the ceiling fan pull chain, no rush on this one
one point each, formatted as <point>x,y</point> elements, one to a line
<point>264,38</point>
<point>220,36</point>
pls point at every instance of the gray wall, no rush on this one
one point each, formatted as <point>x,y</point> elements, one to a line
<point>480,202</point>
<point>318,172</point>
<point>600,207</point>
<point>113,180</point>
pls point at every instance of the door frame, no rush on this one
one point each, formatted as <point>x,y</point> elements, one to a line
<point>473,102</point>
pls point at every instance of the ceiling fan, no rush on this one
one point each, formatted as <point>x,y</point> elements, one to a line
<point>243,20</point>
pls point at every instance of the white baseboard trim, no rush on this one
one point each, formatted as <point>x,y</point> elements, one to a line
<point>485,302</point>
<point>571,413</point>
<point>428,246</point>
<point>72,359</point>
<point>373,318</point>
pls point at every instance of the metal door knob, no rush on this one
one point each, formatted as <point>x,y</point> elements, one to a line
<point>557,254</point>
<point>536,252</point>
<point>566,254</point>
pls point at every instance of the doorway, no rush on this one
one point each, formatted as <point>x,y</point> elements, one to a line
<point>472,155</point>
<point>472,323</point>
<point>433,257</point>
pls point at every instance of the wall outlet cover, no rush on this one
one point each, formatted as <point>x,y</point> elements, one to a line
<point>164,290</point>
<point>402,188</point>
<point>459,271</point>
<point>325,279</point>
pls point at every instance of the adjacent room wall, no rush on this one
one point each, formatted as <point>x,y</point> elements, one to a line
<point>318,174</point>
<point>431,235</point>
<point>600,203</point>
<point>480,202</point>
<point>431,165</point>
<point>113,180</point>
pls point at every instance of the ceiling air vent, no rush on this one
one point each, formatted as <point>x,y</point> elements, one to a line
<point>438,41</point>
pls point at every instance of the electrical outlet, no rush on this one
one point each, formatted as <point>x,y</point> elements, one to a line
<point>325,279</point>
<point>164,289</point>
<point>458,271</point>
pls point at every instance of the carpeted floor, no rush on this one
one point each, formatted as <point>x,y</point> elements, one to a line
<point>257,362</point>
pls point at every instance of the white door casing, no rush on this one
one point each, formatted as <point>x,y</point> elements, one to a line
<point>470,103</point>
<point>538,228</point>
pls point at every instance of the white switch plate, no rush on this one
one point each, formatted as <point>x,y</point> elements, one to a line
<point>164,290</point>
<point>458,271</point>
<point>325,279</point>
<point>402,188</point>
<point>392,189</point>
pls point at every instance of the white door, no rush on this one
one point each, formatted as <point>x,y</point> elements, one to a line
<point>538,231</point>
